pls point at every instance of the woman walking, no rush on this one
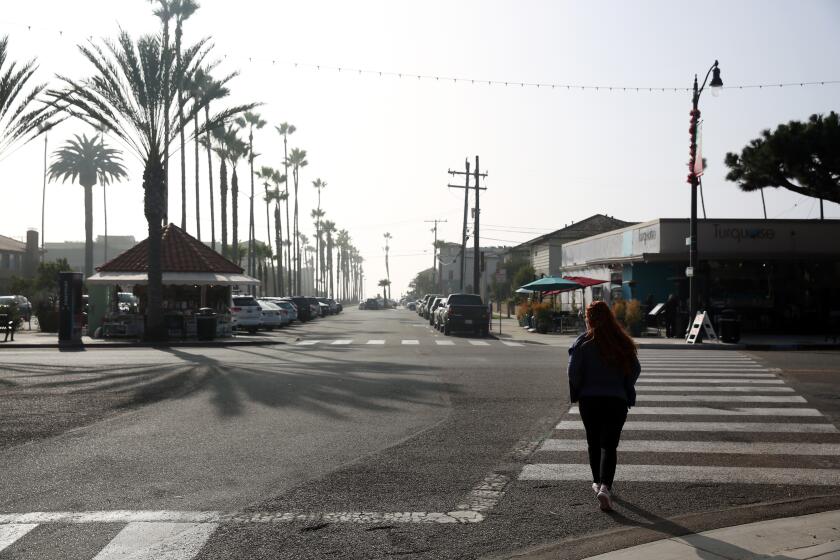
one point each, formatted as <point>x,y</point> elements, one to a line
<point>603,369</point>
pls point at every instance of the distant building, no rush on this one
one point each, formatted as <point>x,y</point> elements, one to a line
<point>74,251</point>
<point>545,253</point>
<point>18,258</point>
<point>449,268</point>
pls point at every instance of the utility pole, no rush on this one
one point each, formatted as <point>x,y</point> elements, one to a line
<point>476,175</point>
<point>434,246</point>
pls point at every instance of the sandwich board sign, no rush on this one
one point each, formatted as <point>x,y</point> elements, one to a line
<point>701,323</point>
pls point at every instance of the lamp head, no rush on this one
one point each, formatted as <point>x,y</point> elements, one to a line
<point>716,85</point>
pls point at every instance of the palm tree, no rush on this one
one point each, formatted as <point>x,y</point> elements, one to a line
<point>284,130</point>
<point>329,229</point>
<point>296,160</point>
<point>251,120</point>
<point>388,238</point>
<point>319,186</point>
<point>343,244</point>
<point>236,150</point>
<point>87,160</point>
<point>219,146</point>
<point>269,174</point>
<point>318,216</point>
<point>128,94</point>
<point>18,123</point>
<point>182,10</point>
<point>165,13</point>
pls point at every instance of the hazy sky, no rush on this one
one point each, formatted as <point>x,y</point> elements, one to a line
<point>384,145</point>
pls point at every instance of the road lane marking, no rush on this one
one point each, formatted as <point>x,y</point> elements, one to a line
<point>341,342</point>
<point>379,342</point>
<point>444,343</point>
<point>411,342</point>
<point>506,343</point>
<point>308,342</point>
<point>218,517</point>
<point>642,379</point>
<point>721,447</point>
<point>12,532</point>
<point>157,541</point>
<point>762,427</point>
<point>713,411</point>
<point>705,374</point>
<point>722,398</point>
<point>688,389</point>
<point>684,473</point>
<point>479,343</point>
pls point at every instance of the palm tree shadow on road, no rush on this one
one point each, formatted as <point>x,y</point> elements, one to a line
<point>326,386</point>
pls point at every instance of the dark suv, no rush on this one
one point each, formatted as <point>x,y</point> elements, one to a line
<point>304,310</point>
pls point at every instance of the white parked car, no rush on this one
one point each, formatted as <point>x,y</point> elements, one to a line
<point>245,313</point>
<point>283,303</point>
<point>273,317</point>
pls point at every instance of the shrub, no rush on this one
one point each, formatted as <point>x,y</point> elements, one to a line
<point>523,310</point>
<point>542,314</point>
<point>619,309</point>
<point>47,315</point>
<point>633,315</point>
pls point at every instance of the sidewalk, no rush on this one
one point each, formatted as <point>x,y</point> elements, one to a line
<point>512,331</point>
<point>37,339</point>
<point>805,537</point>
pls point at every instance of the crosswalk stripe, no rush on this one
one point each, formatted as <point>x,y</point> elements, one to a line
<point>341,342</point>
<point>308,342</point>
<point>717,447</point>
<point>444,343</point>
<point>716,380</point>
<point>700,371</point>
<point>157,541</point>
<point>722,398</point>
<point>411,342</point>
<point>710,411</point>
<point>507,343</point>
<point>379,342</point>
<point>705,374</point>
<point>762,427</point>
<point>689,389</point>
<point>11,533</point>
<point>693,474</point>
<point>479,343</point>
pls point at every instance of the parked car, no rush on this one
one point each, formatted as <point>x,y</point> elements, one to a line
<point>127,302</point>
<point>466,312</point>
<point>272,317</point>
<point>430,299</point>
<point>370,303</point>
<point>290,308</point>
<point>245,313</point>
<point>437,302</point>
<point>335,307</point>
<point>331,307</point>
<point>411,305</point>
<point>304,309</point>
<point>440,313</point>
<point>23,306</point>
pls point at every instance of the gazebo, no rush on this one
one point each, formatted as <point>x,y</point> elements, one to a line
<point>194,277</point>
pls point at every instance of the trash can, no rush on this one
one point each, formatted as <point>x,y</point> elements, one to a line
<point>729,326</point>
<point>205,324</point>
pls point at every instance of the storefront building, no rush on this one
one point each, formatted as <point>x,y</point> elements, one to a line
<point>779,275</point>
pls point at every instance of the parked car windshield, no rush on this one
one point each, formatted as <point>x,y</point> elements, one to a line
<point>464,299</point>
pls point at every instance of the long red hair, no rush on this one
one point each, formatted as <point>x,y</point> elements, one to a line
<point>614,344</point>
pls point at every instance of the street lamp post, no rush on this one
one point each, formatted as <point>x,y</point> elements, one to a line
<point>694,180</point>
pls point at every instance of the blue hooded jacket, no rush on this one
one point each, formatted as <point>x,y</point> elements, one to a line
<point>589,376</point>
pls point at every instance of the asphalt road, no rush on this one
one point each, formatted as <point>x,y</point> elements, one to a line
<point>365,437</point>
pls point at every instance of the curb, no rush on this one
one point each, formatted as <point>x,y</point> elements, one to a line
<point>122,345</point>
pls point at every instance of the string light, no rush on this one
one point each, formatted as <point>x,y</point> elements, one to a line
<point>472,81</point>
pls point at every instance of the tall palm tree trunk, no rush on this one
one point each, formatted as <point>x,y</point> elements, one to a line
<point>210,180</point>
<point>153,206</point>
<point>234,203</point>
<point>105,219</point>
<point>297,238</point>
<point>278,241</point>
<point>197,205</point>
<point>88,230</point>
<point>223,188</point>
<point>181,126</point>
<point>268,237</point>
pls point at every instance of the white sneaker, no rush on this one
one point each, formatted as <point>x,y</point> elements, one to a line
<point>596,488</point>
<point>604,498</point>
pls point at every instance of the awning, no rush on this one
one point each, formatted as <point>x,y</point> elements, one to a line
<point>584,281</point>
<point>551,284</point>
<point>173,279</point>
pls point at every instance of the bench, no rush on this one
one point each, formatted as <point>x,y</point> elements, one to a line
<point>7,324</point>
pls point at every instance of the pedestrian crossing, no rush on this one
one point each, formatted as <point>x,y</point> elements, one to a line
<point>462,342</point>
<point>699,416</point>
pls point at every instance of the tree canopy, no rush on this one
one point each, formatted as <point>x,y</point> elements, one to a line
<point>803,157</point>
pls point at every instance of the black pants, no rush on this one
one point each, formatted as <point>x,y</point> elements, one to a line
<point>603,418</point>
